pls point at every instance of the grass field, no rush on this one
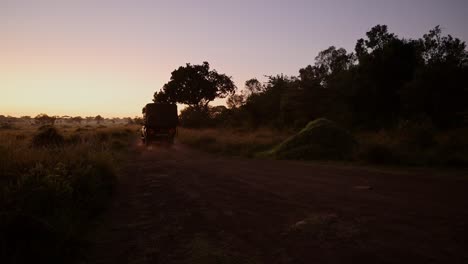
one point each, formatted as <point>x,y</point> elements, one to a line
<point>54,181</point>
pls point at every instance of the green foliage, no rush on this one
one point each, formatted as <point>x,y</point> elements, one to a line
<point>320,139</point>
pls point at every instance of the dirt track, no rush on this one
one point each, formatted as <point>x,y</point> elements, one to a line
<point>176,205</point>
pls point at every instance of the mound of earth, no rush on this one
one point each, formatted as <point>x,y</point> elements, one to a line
<point>320,139</point>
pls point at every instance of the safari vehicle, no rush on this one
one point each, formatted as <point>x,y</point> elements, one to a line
<point>159,123</point>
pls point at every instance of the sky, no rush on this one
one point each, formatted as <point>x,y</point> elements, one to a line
<point>90,57</point>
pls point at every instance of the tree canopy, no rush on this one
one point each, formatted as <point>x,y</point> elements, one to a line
<point>196,86</point>
<point>387,80</point>
<point>44,119</point>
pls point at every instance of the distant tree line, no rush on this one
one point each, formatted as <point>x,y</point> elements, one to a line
<point>51,120</point>
<point>385,81</point>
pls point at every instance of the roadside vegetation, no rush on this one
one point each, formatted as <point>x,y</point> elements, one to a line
<point>402,146</point>
<point>401,101</point>
<point>54,182</point>
<point>228,141</point>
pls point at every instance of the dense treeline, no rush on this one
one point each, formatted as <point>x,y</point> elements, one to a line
<point>387,80</point>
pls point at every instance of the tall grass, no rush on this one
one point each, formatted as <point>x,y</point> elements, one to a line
<point>414,147</point>
<point>408,145</point>
<point>52,185</point>
<point>232,142</point>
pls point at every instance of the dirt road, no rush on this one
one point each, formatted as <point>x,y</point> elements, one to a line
<point>176,205</point>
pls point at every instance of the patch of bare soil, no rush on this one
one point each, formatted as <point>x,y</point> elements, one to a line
<point>176,205</point>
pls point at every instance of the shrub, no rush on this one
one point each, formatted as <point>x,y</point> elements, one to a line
<point>320,139</point>
<point>47,136</point>
<point>6,126</point>
<point>453,149</point>
<point>379,154</point>
<point>417,134</point>
<point>49,195</point>
<point>194,118</point>
<point>44,209</point>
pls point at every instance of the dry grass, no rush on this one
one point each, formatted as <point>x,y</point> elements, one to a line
<point>414,147</point>
<point>232,142</point>
<point>407,146</point>
<point>55,190</point>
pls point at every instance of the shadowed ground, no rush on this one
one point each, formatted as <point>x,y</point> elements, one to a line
<point>177,205</point>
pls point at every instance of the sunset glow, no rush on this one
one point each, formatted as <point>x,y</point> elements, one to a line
<point>87,58</point>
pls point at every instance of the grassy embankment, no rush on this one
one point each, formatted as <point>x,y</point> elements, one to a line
<point>54,181</point>
<point>407,146</point>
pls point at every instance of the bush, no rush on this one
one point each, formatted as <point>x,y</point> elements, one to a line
<point>47,136</point>
<point>414,144</point>
<point>6,126</point>
<point>49,195</point>
<point>452,149</point>
<point>379,154</point>
<point>44,209</point>
<point>417,134</point>
<point>193,117</point>
<point>320,139</point>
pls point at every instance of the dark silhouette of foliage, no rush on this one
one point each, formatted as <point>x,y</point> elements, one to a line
<point>44,119</point>
<point>47,136</point>
<point>387,80</point>
<point>77,119</point>
<point>98,119</point>
<point>138,120</point>
<point>253,86</point>
<point>236,101</point>
<point>196,86</point>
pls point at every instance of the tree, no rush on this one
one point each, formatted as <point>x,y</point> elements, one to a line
<point>265,108</point>
<point>196,86</point>
<point>44,119</point>
<point>378,37</point>
<point>77,119</point>
<point>235,101</point>
<point>129,120</point>
<point>439,88</point>
<point>253,86</point>
<point>386,63</point>
<point>333,60</point>
<point>138,120</point>
<point>98,119</point>
<point>26,119</point>
<point>440,49</point>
